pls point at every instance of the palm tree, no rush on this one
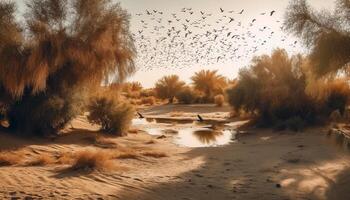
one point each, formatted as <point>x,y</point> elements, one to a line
<point>209,83</point>
<point>327,34</point>
<point>62,47</point>
<point>168,87</point>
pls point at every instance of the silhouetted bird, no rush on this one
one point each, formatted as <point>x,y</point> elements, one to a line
<point>140,115</point>
<point>200,118</point>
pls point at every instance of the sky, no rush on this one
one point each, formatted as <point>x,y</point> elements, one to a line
<point>229,68</point>
<point>151,62</point>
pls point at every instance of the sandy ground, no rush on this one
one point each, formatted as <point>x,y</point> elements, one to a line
<point>262,164</point>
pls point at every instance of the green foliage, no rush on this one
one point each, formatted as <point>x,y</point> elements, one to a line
<point>114,117</point>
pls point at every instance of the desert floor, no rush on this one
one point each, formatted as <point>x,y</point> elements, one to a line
<point>261,164</point>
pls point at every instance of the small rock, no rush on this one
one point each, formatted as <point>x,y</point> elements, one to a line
<point>278,185</point>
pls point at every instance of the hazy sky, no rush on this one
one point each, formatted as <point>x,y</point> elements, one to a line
<point>229,68</point>
<point>253,8</point>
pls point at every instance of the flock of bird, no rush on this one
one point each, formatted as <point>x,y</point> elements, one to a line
<point>194,37</point>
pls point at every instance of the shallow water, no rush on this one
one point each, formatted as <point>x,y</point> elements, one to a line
<point>198,134</point>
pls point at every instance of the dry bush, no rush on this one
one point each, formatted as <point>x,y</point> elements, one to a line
<point>168,87</point>
<point>114,117</point>
<point>10,158</point>
<point>65,158</point>
<point>154,154</point>
<point>275,89</point>
<point>90,160</point>
<point>219,100</point>
<point>41,160</point>
<point>127,155</point>
<point>187,96</point>
<point>55,53</point>
<point>209,83</point>
<point>148,100</point>
<point>148,93</point>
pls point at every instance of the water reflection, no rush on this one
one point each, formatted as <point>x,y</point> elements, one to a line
<point>197,134</point>
<point>204,137</point>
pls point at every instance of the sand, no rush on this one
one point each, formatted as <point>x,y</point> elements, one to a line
<point>262,164</point>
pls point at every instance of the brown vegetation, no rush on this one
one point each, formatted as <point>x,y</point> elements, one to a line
<point>114,117</point>
<point>168,87</point>
<point>219,100</point>
<point>90,160</point>
<point>188,96</point>
<point>154,154</point>
<point>41,160</point>
<point>275,89</point>
<point>209,83</point>
<point>327,34</point>
<point>10,158</point>
<point>47,64</point>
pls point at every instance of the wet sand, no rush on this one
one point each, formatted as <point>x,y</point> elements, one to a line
<point>261,164</point>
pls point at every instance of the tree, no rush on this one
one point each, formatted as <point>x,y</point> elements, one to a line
<point>168,87</point>
<point>275,89</point>
<point>326,33</point>
<point>209,83</point>
<point>63,48</point>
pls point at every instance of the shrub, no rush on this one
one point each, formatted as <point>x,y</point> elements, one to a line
<point>219,100</point>
<point>48,112</point>
<point>168,87</point>
<point>90,160</point>
<point>148,93</point>
<point>148,100</point>
<point>46,59</point>
<point>275,88</point>
<point>114,117</point>
<point>187,96</point>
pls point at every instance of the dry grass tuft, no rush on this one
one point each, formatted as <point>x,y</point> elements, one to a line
<point>65,158</point>
<point>90,160</point>
<point>150,142</point>
<point>10,158</point>
<point>41,160</point>
<point>154,154</point>
<point>127,155</point>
